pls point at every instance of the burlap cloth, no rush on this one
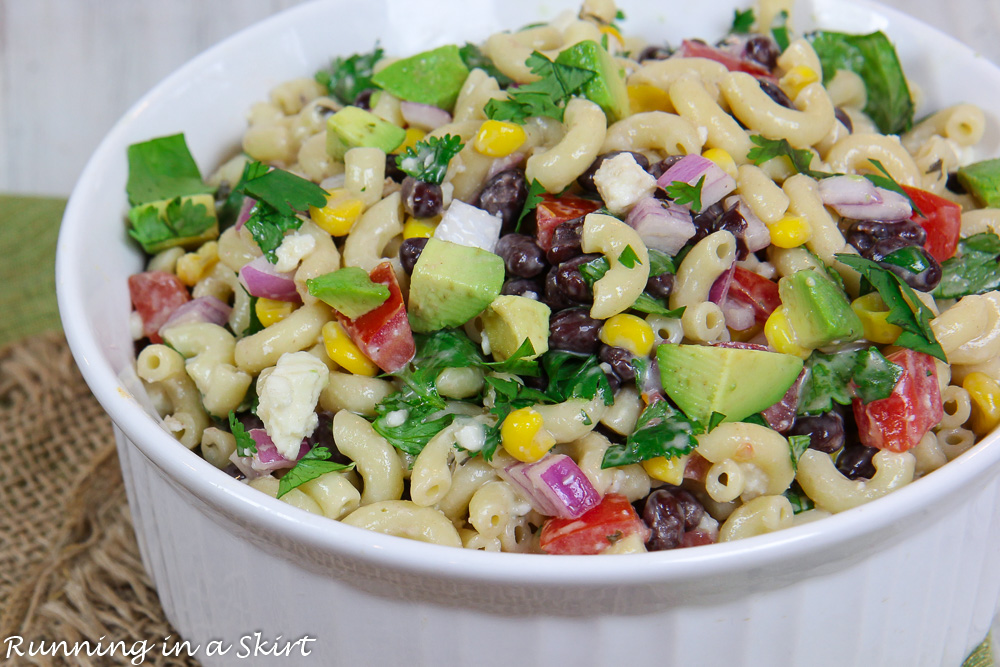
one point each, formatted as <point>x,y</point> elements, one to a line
<point>69,563</point>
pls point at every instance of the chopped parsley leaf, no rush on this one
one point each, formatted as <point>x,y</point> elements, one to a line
<point>535,192</point>
<point>428,160</point>
<point>547,96</point>
<point>662,430</point>
<point>314,464</point>
<point>628,258</point>
<point>153,226</point>
<point>768,149</point>
<point>162,168</point>
<point>685,193</point>
<point>742,22</point>
<point>245,444</point>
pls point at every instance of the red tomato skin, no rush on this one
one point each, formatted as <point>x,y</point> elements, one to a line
<point>898,422</point>
<point>384,334</point>
<point>692,49</point>
<point>553,211</point>
<point>155,296</point>
<point>942,220</point>
<point>596,530</point>
<point>756,291</point>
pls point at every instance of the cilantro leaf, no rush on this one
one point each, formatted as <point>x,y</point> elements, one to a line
<point>162,168</point>
<point>646,303</point>
<point>594,270</point>
<point>742,22</point>
<point>535,192</point>
<point>474,58</point>
<point>768,149</point>
<point>545,97</point>
<point>628,258</point>
<point>245,444</point>
<point>661,430</point>
<point>428,160</point>
<point>973,270</point>
<point>685,193</point>
<point>517,363</point>
<point>797,445</point>
<point>508,395</point>
<point>282,190</point>
<point>889,183</point>
<point>314,464</point>
<point>420,421</point>
<point>346,78</point>
<point>660,262</point>
<point>874,59</point>
<point>779,30</point>
<point>573,375</point>
<point>875,376</point>
<point>153,225</point>
<point>268,226</point>
<point>829,379</point>
<point>799,500</point>
<point>906,310</point>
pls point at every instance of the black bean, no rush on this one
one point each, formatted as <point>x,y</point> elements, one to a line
<point>504,194</point>
<point>586,179</point>
<point>521,255</point>
<point>570,280</point>
<point>776,94</point>
<point>842,116</point>
<point>655,53</point>
<point>863,234</point>
<point>922,273</point>
<point>566,241</point>
<point>554,297</point>
<point>826,431</point>
<point>955,185</point>
<point>855,461</point>
<point>364,99</point>
<point>692,509</point>
<point>574,330</point>
<point>409,252</point>
<point>665,518</point>
<point>523,287</point>
<point>620,361</point>
<point>715,218</point>
<point>762,50</point>
<point>392,169</point>
<point>420,198</point>
<point>661,286</point>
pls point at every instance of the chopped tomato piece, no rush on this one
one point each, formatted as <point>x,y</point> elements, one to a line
<point>695,49</point>
<point>155,296</point>
<point>941,219</point>
<point>553,211</point>
<point>384,334</point>
<point>898,422</point>
<point>596,530</point>
<point>756,291</point>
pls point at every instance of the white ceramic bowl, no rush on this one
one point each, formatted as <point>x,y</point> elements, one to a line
<point>910,579</point>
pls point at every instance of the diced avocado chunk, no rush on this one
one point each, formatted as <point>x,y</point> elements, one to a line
<point>451,284</point>
<point>433,77</point>
<point>607,89</point>
<point>510,320</point>
<point>736,382</point>
<point>349,291</point>
<point>982,180</point>
<point>352,127</point>
<point>818,311</point>
<point>187,222</point>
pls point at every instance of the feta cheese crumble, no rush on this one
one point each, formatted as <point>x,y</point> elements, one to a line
<point>288,397</point>
<point>622,182</point>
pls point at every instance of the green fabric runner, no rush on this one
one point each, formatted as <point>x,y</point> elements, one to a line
<point>28,230</point>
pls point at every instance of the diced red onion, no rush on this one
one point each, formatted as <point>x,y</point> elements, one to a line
<point>555,486</point>
<point>720,288</point>
<point>756,236</point>
<point>850,189</point>
<point>690,168</point>
<point>781,415</point>
<point>245,209</point>
<point>857,198</point>
<point>502,164</point>
<point>203,309</point>
<point>268,458</point>
<point>661,225</point>
<point>468,225</point>
<point>739,316</point>
<point>424,116</point>
<point>261,279</point>
<point>892,208</point>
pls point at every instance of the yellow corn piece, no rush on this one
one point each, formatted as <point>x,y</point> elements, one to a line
<point>193,266</point>
<point>645,97</point>
<point>342,210</point>
<point>270,311</point>
<point>667,470</point>
<point>612,32</point>
<point>629,332</point>
<point>419,228</point>
<point>985,395</point>
<point>344,352</point>
<point>796,79</point>
<point>413,137</point>
<point>498,138</point>
<point>780,336</point>
<point>874,315</point>
<point>723,159</point>
<point>524,436</point>
<point>790,232</point>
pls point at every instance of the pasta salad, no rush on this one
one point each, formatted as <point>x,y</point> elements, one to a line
<point>567,292</point>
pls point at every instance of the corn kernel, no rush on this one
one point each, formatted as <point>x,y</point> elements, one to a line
<point>645,97</point>
<point>723,159</point>
<point>796,79</point>
<point>790,232</point>
<point>524,436</point>
<point>613,32</point>
<point>630,332</point>
<point>419,228</point>
<point>342,210</point>
<point>193,266</point>
<point>985,395</point>
<point>344,352</point>
<point>780,336</point>
<point>498,138</point>
<point>270,311</point>
<point>874,315</point>
<point>667,470</point>
<point>414,136</point>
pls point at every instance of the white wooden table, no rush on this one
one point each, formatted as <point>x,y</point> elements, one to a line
<point>70,68</point>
